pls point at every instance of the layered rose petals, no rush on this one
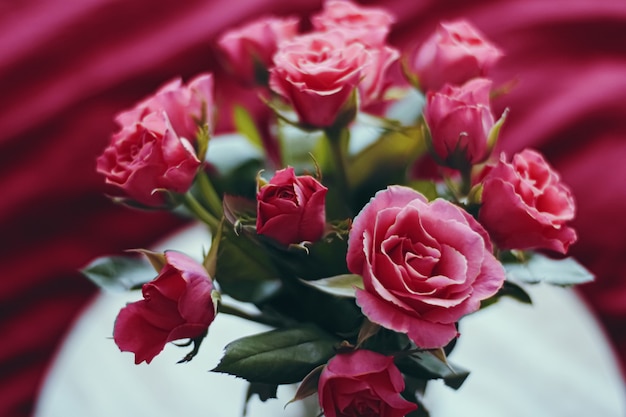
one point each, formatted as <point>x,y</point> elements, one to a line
<point>424,265</point>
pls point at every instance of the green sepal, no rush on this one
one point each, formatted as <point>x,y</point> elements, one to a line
<point>202,141</point>
<point>156,259</point>
<point>119,273</point>
<point>282,356</point>
<point>344,285</point>
<point>494,133</point>
<point>308,386</point>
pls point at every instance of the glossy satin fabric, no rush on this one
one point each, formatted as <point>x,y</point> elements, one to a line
<point>67,67</point>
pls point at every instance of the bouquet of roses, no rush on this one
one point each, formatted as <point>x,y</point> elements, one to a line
<point>321,227</point>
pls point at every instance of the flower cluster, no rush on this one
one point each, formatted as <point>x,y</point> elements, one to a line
<point>339,248</point>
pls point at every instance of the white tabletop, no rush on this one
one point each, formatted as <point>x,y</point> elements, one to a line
<point>549,359</point>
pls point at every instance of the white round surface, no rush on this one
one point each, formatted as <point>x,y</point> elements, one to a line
<point>549,359</point>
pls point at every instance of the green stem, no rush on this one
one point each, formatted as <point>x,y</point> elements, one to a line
<point>338,140</point>
<point>200,212</point>
<point>466,181</point>
<point>210,196</point>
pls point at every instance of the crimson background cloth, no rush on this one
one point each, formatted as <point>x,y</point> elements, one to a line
<point>67,67</point>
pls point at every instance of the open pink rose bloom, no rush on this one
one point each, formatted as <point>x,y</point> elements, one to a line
<point>424,265</point>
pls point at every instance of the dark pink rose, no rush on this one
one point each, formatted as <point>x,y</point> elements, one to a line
<point>526,206</point>
<point>249,49</point>
<point>146,158</point>
<point>177,305</point>
<point>362,383</point>
<point>187,106</point>
<point>460,120</point>
<point>455,53</point>
<point>291,209</point>
<point>424,265</point>
<point>317,73</point>
<point>368,25</point>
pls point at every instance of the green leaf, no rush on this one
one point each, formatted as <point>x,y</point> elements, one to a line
<point>414,392</point>
<point>297,147</point>
<point>119,273</point>
<point>283,356</point>
<point>427,188</point>
<point>244,270</point>
<point>509,289</point>
<point>245,125</point>
<point>340,285</point>
<point>425,365</point>
<point>264,392</point>
<point>540,268</point>
<point>383,162</point>
<point>234,163</point>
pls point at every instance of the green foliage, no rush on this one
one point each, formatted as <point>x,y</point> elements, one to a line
<point>281,356</point>
<point>540,268</point>
<point>426,365</point>
<point>119,273</point>
<point>509,289</point>
<point>244,123</point>
<point>244,271</point>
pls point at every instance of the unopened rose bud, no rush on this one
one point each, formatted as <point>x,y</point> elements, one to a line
<point>460,120</point>
<point>291,209</point>
<point>455,53</point>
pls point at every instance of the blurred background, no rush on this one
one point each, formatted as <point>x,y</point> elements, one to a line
<point>67,67</point>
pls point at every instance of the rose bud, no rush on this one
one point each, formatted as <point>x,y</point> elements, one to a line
<point>177,304</point>
<point>455,53</point>
<point>146,160</point>
<point>362,383</point>
<point>460,122</point>
<point>526,206</point>
<point>188,107</point>
<point>248,49</point>
<point>318,74</point>
<point>424,265</point>
<point>291,209</point>
<point>368,25</point>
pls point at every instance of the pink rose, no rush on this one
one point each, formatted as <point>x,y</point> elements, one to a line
<point>375,76</point>
<point>177,305</point>
<point>368,25</point>
<point>187,107</point>
<point>424,265</point>
<point>318,73</point>
<point>454,54</point>
<point>460,120</point>
<point>146,158</point>
<point>249,49</point>
<point>291,209</point>
<point>526,206</point>
<point>362,383</point>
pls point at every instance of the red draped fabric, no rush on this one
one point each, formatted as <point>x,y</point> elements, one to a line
<point>67,67</point>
